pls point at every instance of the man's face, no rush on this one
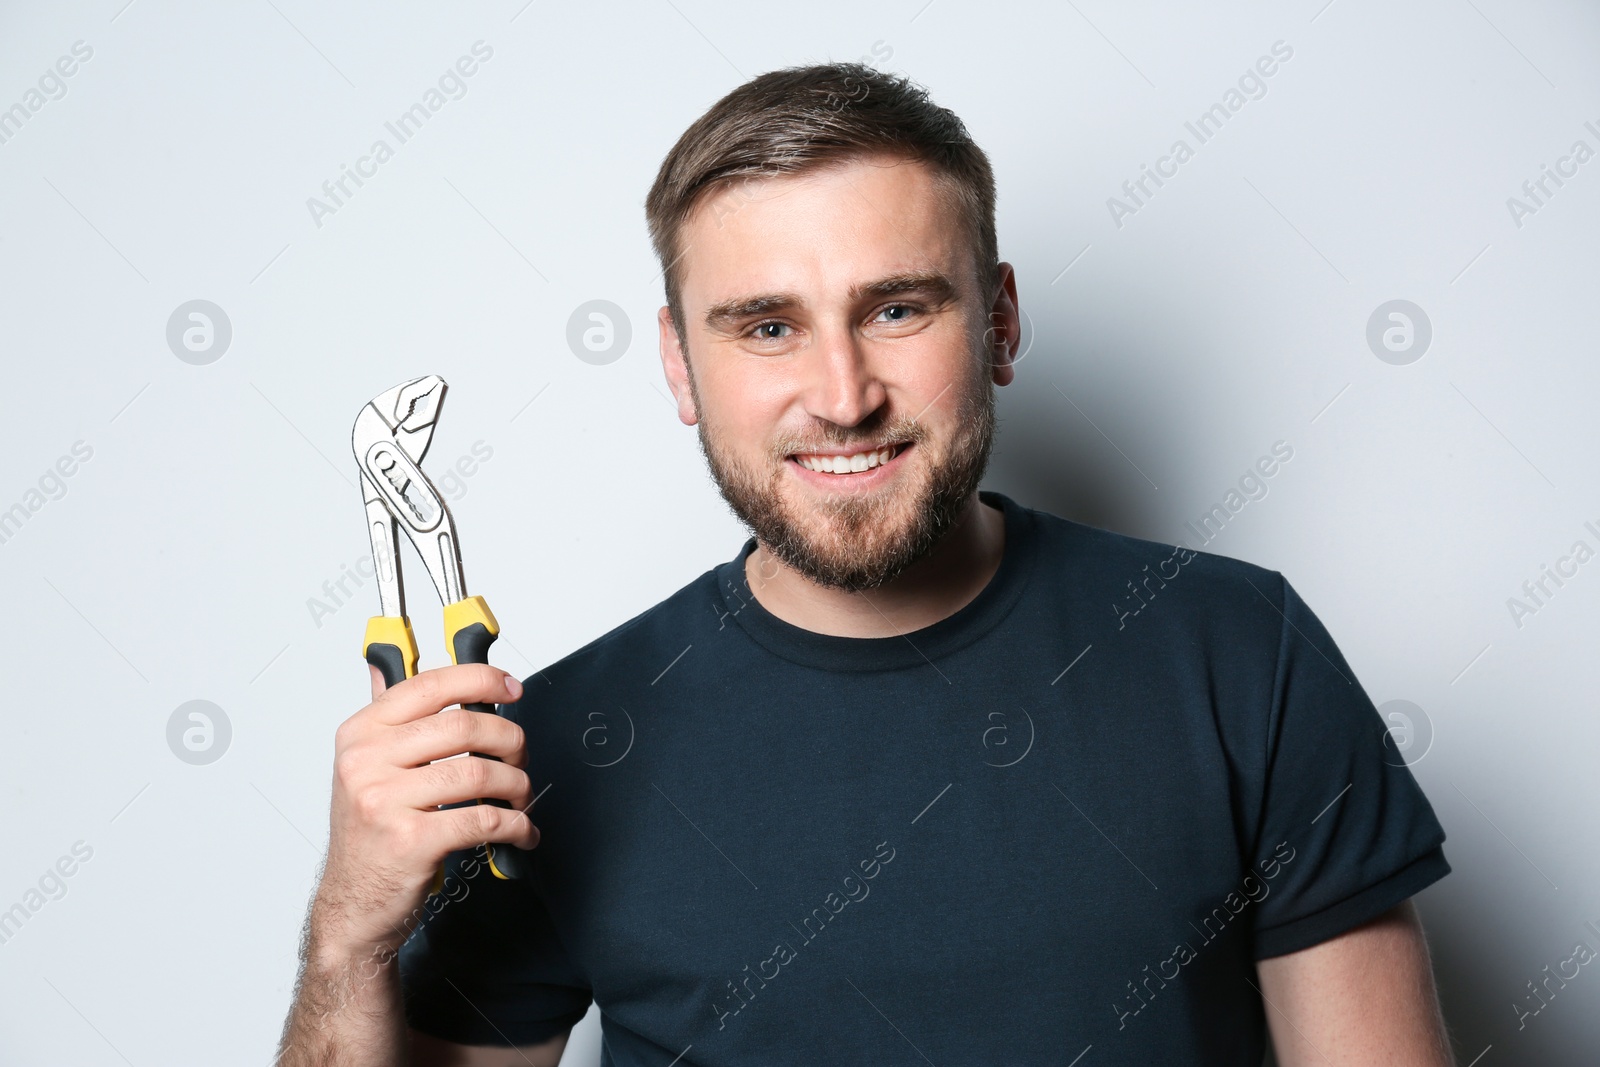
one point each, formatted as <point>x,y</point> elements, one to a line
<point>839,364</point>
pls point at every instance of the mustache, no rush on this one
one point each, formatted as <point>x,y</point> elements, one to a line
<point>829,435</point>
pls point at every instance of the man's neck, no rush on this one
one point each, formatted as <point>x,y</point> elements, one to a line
<point>933,588</point>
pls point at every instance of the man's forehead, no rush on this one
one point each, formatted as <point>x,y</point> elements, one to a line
<point>833,230</point>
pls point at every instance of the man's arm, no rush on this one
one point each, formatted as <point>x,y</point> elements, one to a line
<point>387,835</point>
<point>1364,997</point>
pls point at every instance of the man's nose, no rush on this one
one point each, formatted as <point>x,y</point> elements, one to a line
<point>843,387</point>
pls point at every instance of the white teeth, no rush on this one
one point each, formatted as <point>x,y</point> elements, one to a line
<point>861,461</point>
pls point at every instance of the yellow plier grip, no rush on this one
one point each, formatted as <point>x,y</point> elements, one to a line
<point>391,647</point>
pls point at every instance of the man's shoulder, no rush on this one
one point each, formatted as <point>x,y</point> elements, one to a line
<point>1077,551</point>
<point>631,646</point>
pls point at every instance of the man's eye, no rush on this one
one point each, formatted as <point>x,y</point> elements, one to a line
<point>764,331</point>
<point>905,311</point>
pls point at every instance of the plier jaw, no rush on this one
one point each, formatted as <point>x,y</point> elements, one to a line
<point>391,436</point>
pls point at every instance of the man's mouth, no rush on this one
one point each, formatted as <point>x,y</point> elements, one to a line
<point>849,463</point>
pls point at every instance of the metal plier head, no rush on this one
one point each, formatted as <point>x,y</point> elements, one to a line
<point>391,435</point>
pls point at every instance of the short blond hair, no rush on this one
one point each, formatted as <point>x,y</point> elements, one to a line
<point>800,118</point>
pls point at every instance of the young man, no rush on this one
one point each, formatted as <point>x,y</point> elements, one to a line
<point>921,774</point>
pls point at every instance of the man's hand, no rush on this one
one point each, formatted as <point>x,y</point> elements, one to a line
<point>387,836</point>
<point>1364,997</point>
<point>386,839</point>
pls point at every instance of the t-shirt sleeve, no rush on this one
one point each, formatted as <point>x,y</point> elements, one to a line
<point>486,966</point>
<point>1346,831</point>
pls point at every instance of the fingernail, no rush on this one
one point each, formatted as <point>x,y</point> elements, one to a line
<point>513,687</point>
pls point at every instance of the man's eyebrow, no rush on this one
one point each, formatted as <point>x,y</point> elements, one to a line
<point>931,283</point>
<point>729,312</point>
<point>934,284</point>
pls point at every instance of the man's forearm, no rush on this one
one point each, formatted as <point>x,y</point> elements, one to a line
<point>347,1011</point>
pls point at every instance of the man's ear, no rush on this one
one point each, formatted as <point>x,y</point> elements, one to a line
<point>676,367</point>
<point>1004,334</point>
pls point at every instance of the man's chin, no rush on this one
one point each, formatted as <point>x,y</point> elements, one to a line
<point>878,524</point>
<point>849,541</point>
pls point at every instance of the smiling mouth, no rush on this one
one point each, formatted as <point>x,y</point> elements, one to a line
<point>854,463</point>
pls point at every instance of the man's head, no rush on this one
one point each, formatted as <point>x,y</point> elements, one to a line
<point>835,299</point>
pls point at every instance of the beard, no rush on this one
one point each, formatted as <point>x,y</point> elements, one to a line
<point>854,541</point>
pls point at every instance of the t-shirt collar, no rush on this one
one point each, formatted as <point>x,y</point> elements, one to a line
<point>916,648</point>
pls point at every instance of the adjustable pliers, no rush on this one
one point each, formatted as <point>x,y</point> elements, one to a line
<point>391,435</point>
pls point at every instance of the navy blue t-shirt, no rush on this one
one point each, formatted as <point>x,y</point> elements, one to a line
<point>1069,817</point>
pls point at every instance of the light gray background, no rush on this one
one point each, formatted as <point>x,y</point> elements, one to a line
<point>1168,354</point>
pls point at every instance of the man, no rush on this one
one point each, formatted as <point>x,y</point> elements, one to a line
<point>892,785</point>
